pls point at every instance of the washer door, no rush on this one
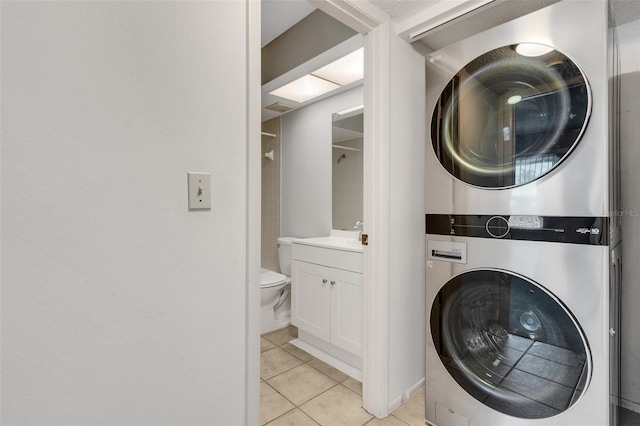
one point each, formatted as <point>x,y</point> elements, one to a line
<point>510,343</point>
<point>510,116</point>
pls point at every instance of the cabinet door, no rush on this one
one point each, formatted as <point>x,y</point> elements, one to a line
<point>311,298</point>
<point>346,311</point>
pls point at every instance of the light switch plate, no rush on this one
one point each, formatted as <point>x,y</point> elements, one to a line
<point>199,190</point>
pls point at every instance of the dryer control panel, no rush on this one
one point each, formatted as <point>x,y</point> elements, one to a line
<point>555,229</point>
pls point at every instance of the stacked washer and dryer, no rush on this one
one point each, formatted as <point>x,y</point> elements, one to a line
<point>522,233</point>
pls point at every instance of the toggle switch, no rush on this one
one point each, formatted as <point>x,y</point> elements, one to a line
<point>199,190</point>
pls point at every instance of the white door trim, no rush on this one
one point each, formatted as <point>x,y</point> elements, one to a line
<point>374,24</point>
<point>360,15</point>
<point>253,214</point>
<point>376,223</point>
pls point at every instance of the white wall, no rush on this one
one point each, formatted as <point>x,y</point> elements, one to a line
<point>629,38</point>
<point>306,165</point>
<point>407,221</point>
<point>270,209</point>
<point>347,188</point>
<point>118,305</point>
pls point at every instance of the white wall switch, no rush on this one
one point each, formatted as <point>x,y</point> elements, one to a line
<point>199,190</point>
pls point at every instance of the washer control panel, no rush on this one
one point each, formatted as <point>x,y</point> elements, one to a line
<point>557,229</point>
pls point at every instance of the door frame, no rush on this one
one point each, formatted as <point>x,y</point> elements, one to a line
<point>374,25</point>
<point>252,212</point>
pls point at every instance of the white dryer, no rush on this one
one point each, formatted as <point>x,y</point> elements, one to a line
<point>519,116</point>
<point>519,331</point>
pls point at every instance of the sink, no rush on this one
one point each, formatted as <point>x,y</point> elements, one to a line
<point>338,240</point>
<point>332,242</point>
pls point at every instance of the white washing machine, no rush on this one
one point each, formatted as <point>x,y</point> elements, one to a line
<point>519,331</point>
<point>519,116</point>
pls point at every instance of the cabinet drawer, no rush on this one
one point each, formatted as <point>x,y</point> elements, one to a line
<point>340,259</point>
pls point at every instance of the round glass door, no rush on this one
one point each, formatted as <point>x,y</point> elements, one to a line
<point>510,116</point>
<point>510,344</point>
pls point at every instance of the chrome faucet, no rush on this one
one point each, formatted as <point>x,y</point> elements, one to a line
<point>359,227</point>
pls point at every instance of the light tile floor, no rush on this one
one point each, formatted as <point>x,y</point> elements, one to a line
<point>298,389</point>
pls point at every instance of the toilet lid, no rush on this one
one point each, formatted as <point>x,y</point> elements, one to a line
<point>270,278</point>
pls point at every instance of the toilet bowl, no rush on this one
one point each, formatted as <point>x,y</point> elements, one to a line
<point>275,291</point>
<point>275,301</point>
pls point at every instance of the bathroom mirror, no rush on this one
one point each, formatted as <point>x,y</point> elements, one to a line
<point>347,168</point>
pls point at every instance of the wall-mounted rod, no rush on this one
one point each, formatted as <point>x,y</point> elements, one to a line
<point>348,148</point>
<point>271,135</point>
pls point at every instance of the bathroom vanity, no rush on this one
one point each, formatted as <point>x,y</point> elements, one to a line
<point>326,304</point>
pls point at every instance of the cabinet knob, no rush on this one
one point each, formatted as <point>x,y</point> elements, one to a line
<point>332,282</point>
<point>324,281</point>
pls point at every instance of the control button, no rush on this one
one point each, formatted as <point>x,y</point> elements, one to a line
<point>497,226</point>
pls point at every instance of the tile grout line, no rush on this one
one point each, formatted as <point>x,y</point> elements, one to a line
<point>306,363</point>
<point>293,409</point>
<point>305,401</point>
<point>296,405</point>
<point>337,383</point>
<point>299,406</point>
<point>325,391</point>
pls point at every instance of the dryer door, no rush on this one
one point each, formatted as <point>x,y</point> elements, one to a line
<point>510,116</point>
<point>510,343</point>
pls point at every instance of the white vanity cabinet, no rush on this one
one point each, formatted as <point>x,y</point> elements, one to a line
<point>326,302</point>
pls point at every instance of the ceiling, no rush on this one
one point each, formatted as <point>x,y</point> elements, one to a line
<point>399,10</point>
<point>296,43</point>
<point>623,10</point>
<point>280,15</point>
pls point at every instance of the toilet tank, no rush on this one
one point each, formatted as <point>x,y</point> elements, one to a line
<point>284,254</point>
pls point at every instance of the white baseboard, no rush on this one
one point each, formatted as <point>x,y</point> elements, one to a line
<point>401,399</point>
<point>395,403</point>
<point>415,388</point>
<point>630,405</point>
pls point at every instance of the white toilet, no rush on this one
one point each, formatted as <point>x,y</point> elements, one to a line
<point>275,291</point>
